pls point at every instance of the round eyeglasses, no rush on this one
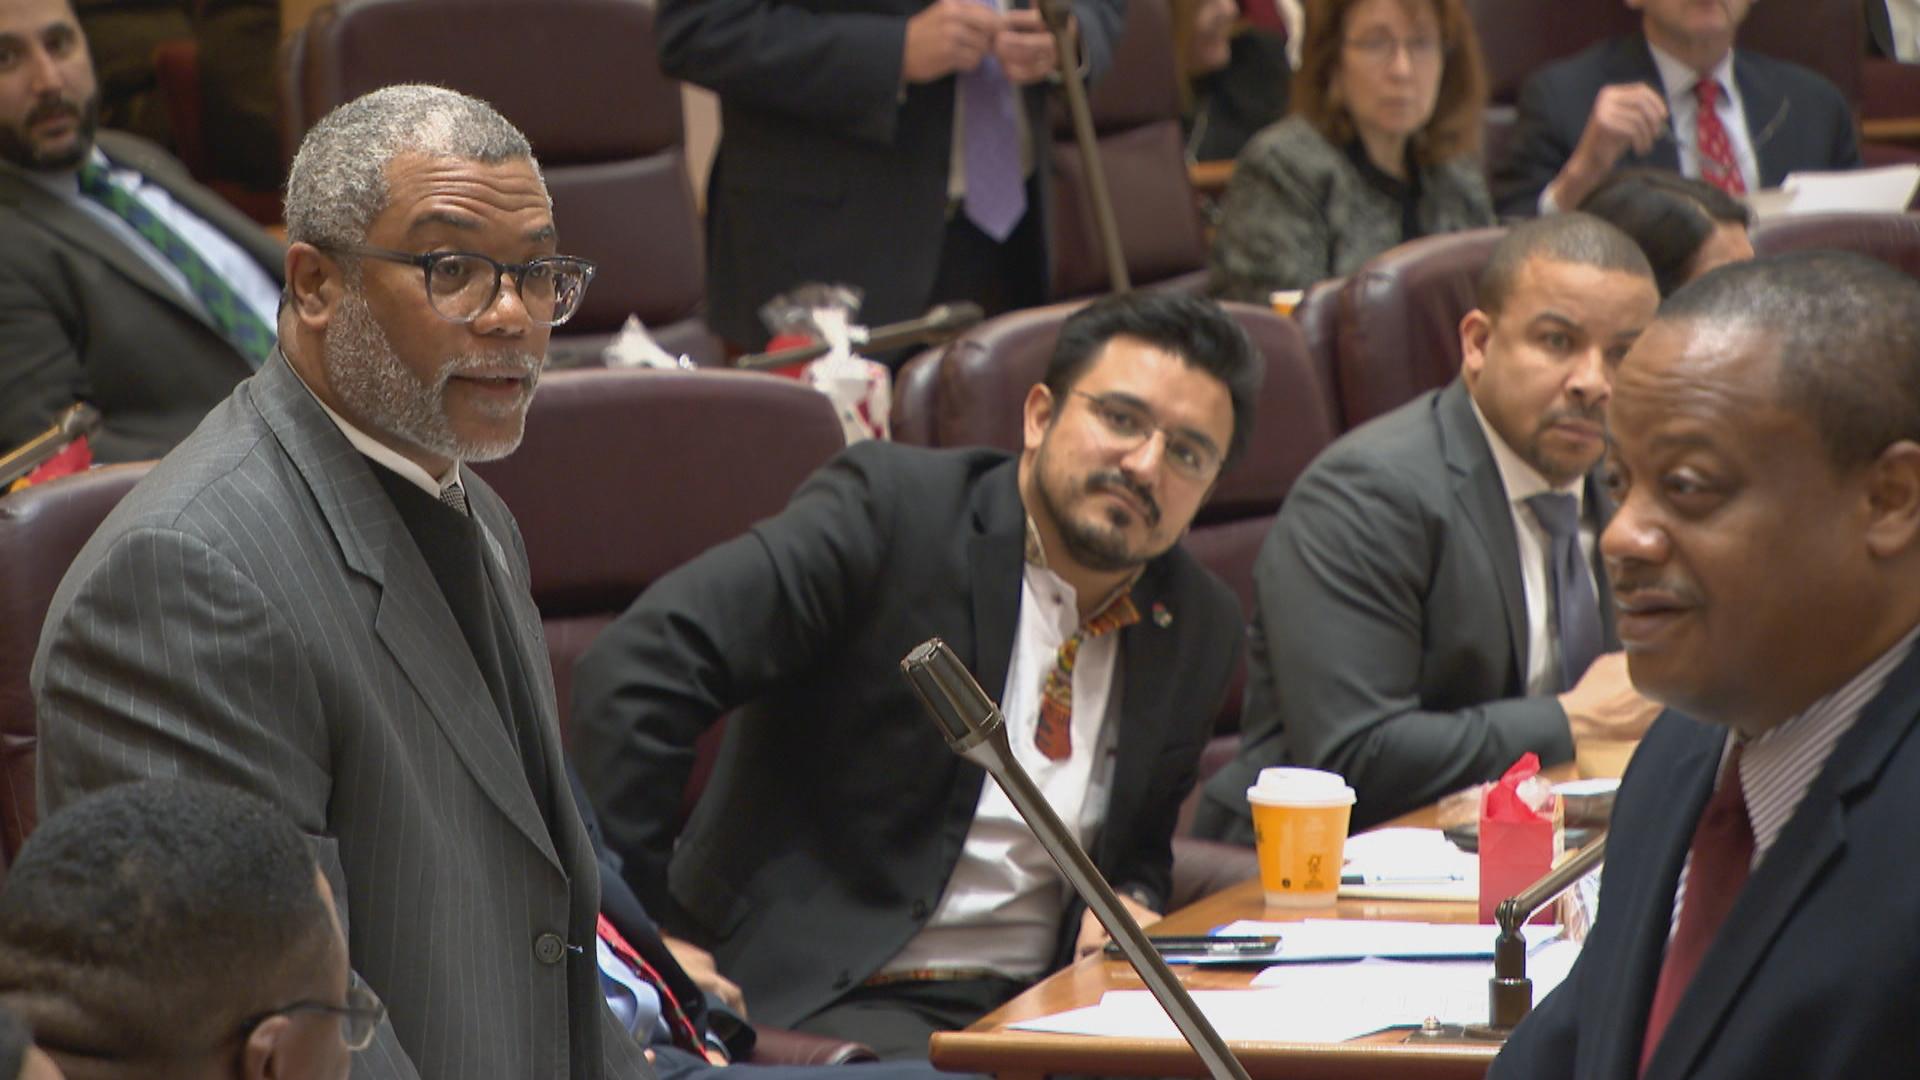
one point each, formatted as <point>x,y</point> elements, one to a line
<point>360,1017</point>
<point>462,285</point>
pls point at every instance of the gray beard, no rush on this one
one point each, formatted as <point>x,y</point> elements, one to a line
<point>363,369</point>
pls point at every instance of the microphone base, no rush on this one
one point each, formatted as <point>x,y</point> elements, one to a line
<point>1485,1033</point>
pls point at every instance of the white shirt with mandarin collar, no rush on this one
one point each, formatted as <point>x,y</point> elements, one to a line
<point>1521,482</point>
<point>1001,908</point>
<point>254,286</point>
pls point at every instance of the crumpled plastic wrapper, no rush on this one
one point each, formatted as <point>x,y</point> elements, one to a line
<point>633,347</point>
<point>861,389</point>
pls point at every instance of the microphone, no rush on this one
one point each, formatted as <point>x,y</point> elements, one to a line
<point>940,323</point>
<point>1510,992</point>
<point>78,419</point>
<point>976,730</point>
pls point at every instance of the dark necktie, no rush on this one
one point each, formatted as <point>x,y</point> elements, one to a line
<point>247,333</point>
<point>990,146</point>
<point>1053,734</point>
<point>455,497</point>
<point>679,1027</point>
<point>1717,865</point>
<point>1717,166</point>
<point>1576,612</point>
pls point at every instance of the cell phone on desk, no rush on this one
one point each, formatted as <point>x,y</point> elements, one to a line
<point>1210,949</point>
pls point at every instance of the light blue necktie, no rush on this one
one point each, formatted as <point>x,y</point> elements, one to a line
<point>996,186</point>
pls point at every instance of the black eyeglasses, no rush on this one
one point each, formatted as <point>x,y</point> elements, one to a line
<point>359,1017</point>
<point>1129,423</point>
<point>461,285</point>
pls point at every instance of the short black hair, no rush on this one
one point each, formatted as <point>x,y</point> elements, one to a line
<point>15,1039</point>
<point>155,918</point>
<point>1577,238</point>
<point>1847,331</point>
<point>1670,216</point>
<point>1197,330</point>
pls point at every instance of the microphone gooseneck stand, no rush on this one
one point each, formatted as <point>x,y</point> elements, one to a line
<point>977,732</point>
<point>1510,992</point>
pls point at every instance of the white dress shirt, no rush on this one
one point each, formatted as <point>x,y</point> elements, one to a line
<point>389,458</point>
<point>1683,111</point>
<point>1001,909</point>
<point>1522,481</point>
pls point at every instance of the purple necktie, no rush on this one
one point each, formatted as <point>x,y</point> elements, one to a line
<point>996,186</point>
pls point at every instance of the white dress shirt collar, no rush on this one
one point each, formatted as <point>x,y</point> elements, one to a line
<point>385,455</point>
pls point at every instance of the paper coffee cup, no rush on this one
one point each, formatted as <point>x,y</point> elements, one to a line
<point>1300,834</point>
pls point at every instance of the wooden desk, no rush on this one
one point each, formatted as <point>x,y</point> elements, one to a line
<point>987,1047</point>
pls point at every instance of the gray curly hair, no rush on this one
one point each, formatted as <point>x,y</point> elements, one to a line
<point>338,183</point>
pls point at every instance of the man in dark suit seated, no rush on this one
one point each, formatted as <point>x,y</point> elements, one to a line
<point>1760,895</point>
<point>122,282</point>
<point>852,874</point>
<point>1678,96</point>
<point>1427,604</point>
<point>170,928</point>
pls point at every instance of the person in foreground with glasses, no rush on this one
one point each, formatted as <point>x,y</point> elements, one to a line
<point>170,929</point>
<point>852,875</point>
<point>314,599</point>
<point>1381,149</point>
<point>1427,606</point>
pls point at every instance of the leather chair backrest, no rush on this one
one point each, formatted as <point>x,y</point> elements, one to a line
<point>1400,320</point>
<point>1136,117</point>
<point>42,528</point>
<point>1318,314</point>
<point>579,78</point>
<point>1891,238</point>
<point>624,475</point>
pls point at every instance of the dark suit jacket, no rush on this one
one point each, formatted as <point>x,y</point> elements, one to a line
<point>255,613</point>
<point>1389,639</point>
<point>1814,972</point>
<point>829,167</point>
<point>836,812</point>
<point>1796,119</point>
<point>82,317</point>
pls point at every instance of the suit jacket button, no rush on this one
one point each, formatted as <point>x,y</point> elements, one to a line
<point>549,949</point>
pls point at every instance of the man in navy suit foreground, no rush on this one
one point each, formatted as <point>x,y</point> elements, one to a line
<point>1760,896</point>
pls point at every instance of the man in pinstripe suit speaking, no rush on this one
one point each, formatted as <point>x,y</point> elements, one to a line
<point>313,599</point>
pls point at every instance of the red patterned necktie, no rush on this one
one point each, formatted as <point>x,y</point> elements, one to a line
<point>684,1035</point>
<point>1716,871</point>
<point>1717,166</point>
<point>1054,733</point>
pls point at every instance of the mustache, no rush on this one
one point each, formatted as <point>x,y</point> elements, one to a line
<point>524,364</point>
<point>1114,478</point>
<point>52,107</point>
<point>1592,414</point>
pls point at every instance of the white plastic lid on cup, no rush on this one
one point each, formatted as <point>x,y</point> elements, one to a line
<point>1286,786</point>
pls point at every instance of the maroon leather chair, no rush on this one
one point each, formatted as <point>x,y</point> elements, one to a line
<point>1400,321</point>
<point>1318,314</point>
<point>1136,116</point>
<point>1891,238</point>
<point>42,528</point>
<point>579,78</point>
<point>624,475</point>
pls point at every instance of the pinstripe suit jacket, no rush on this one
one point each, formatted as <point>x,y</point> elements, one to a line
<point>255,613</point>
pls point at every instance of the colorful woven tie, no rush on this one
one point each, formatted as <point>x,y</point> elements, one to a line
<point>1716,871</point>
<point>1717,166</point>
<point>684,1034</point>
<point>996,188</point>
<point>250,336</point>
<point>1054,733</point>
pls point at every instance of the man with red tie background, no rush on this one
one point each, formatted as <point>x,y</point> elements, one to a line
<point>1760,896</point>
<point>1679,96</point>
<point>897,145</point>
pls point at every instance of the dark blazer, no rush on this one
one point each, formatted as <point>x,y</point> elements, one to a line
<point>82,317</point>
<point>1814,972</point>
<point>255,613</point>
<point>1389,637</point>
<point>1796,119</point>
<point>830,168</point>
<point>836,812</point>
